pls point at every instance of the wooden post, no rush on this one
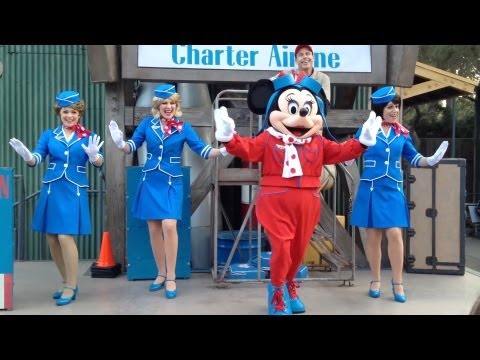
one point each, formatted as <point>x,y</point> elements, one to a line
<point>115,171</point>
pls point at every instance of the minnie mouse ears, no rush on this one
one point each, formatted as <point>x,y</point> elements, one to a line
<point>258,96</point>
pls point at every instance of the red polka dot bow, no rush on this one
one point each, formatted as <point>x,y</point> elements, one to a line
<point>80,130</point>
<point>172,124</point>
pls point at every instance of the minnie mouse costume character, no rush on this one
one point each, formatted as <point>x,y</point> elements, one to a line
<point>292,153</point>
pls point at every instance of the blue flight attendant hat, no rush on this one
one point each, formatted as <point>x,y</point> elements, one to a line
<point>383,95</point>
<point>164,91</point>
<point>67,98</point>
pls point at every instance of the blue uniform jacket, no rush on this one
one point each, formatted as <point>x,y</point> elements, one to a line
<point>384,159</point>
<point>66,158</point>
<point>165,153</point>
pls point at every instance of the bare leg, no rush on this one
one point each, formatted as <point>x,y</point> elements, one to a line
<point>395,254</point>
<point>171,248</point>
<point>374,255</point>
<point>56,252</point>
<point>70,259</point>
<point>158,248</point>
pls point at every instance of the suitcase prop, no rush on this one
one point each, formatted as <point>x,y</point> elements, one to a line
<point>435,241</point>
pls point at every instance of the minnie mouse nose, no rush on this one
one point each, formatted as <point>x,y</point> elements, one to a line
<point>303,112</point>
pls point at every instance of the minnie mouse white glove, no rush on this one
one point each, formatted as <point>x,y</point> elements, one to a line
<point>224,124</point>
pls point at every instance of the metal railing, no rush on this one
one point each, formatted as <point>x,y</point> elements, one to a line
<point>218,272</point>
<point>20,213</point>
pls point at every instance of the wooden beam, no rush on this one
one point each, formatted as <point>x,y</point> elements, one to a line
<point>421,88</point>
<point>115,172</point>
<point>344,119</point>
<point>203,182</point>
<point>445,77</point>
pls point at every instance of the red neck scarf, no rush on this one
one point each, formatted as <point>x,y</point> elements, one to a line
<point>80,130</point>
<point>398,128</point>
<point>170,125</point>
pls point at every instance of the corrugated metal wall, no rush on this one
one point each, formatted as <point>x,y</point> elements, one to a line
<point>32,76</point>
<point>362,100</point>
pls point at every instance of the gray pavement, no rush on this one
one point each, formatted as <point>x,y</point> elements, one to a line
<point>426,294</point>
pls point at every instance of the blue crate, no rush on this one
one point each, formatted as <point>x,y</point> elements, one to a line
<point>242,271</point>
<point>302,272</point>
<point>225,242</point>
<point>265,257</point>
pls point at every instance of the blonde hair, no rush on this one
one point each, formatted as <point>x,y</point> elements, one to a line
<point>80,107</point>
<point>157,101</point>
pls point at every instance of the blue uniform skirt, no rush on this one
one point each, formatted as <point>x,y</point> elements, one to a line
<point>383,207</point>
<point>62,208</point>
<point>159,196</point>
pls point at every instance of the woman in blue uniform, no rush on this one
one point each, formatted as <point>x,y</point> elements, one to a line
<point>62,209</point>
<point>160,193</point>
<point>380,203</point>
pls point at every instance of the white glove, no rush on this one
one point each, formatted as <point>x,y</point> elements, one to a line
<point>93,147</point>
<point>21,149</point>
<point>435,158</point>
<point>224,151</point>
<point>224,124</point>
<point>368,136</point>
<point>117,134</point>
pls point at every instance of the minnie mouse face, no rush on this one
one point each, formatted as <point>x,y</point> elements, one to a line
<point>297,113</point>
<point>292,108</point>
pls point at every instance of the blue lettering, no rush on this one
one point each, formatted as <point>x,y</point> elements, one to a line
<point>175,58</point>
<point>252,57</point>
<point>242,58</point>
<point>218,58</point>
<point>207,57</point>
<point>193,55</point>
<point>230,56</point>
<point>285,56</point>
<point>334,60</point>
<point>274,56</point>
<point>292,59</point>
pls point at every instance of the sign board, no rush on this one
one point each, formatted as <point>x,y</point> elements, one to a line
<point>6,238</point>
<point>345,64</point>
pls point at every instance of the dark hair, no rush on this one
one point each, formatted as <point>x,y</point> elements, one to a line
<point>378,108</point>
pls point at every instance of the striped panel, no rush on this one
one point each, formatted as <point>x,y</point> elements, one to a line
<point>6,291</point>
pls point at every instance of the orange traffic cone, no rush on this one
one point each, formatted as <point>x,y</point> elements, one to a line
<point>105,267</point>
<point>106,254</point>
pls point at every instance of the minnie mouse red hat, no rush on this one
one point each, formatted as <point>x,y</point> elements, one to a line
<point>297,49</point>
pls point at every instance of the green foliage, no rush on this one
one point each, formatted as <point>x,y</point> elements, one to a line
<point>463,60</point>
<point>435,119</point>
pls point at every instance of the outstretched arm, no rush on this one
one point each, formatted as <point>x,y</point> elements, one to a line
<point>117,137</point>
<point>23,151</point>
<point>435,158</point>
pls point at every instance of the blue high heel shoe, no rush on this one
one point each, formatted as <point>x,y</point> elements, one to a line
<point>58,294</point>
<point>374,293</point>
<point>171,294</point>
<point>159,286</point>
<point>64,301</point>
<point>401,298</point>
